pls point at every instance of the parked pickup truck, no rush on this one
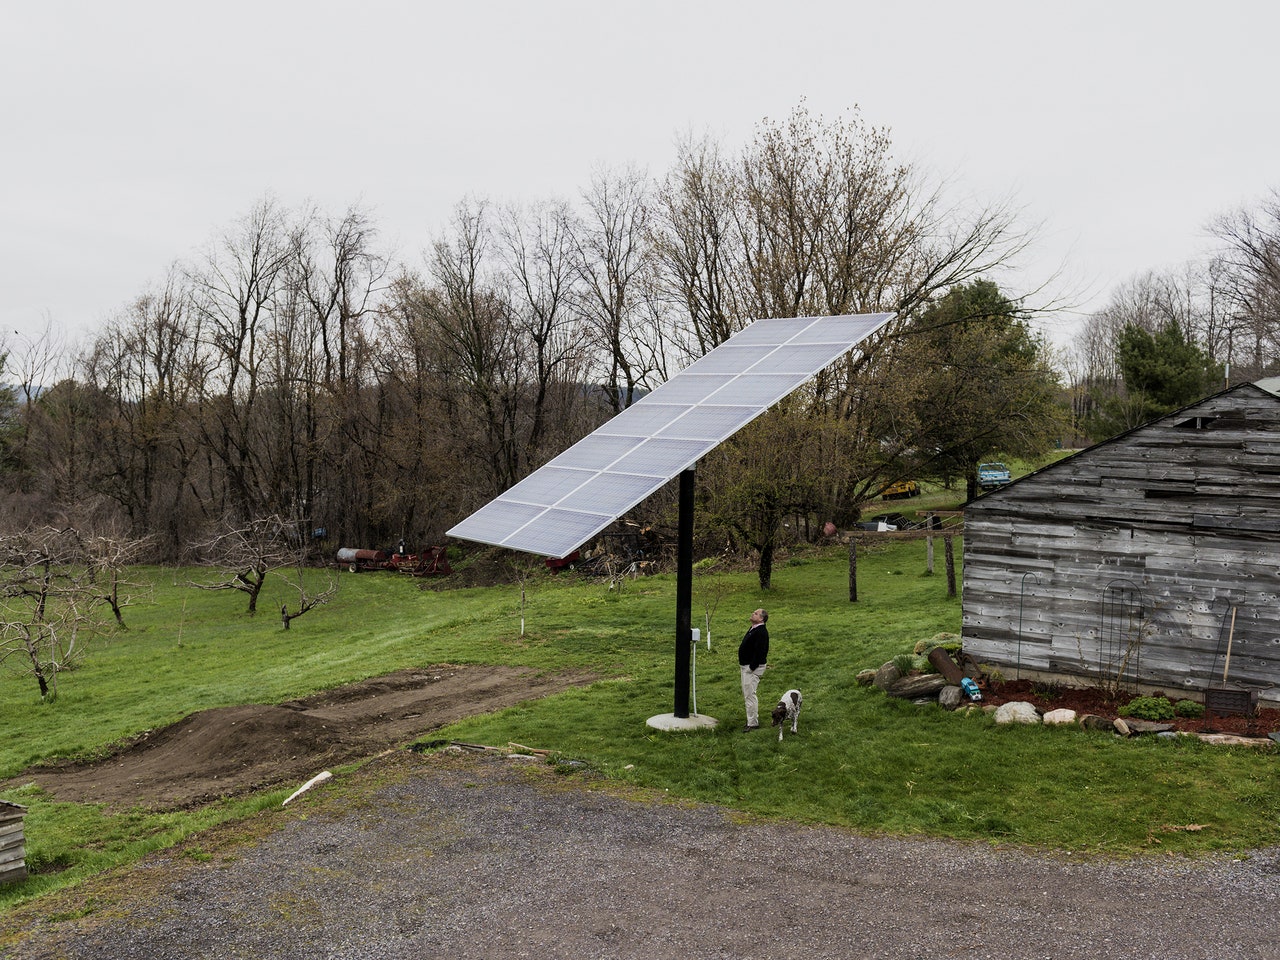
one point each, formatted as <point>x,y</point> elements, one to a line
<point>900,490</point>
<point>992,475</point>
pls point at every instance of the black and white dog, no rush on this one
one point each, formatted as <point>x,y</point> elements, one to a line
<point>788,708</point>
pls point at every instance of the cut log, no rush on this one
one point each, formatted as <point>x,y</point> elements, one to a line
<point>924,685</point>
<point>523,749</point>
<point>943,663</point>
<point>1231,740</point>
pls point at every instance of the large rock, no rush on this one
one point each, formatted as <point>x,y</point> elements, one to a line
<point>1231,740</point>
<point>887,676</point>
<point>950,697</point>
<point>1147,726</point>
<point>1017,711</point>
<point>922,685</point>
<point>1060,717</point>
<point>1091,721</point>
<point>866,678</point>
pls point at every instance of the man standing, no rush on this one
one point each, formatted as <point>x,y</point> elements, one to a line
<point>753,657</point>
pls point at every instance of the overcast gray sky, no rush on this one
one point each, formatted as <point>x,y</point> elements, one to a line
<point>133,132</point>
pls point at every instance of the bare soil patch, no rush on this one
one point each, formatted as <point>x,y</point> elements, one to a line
<point>233,750</point>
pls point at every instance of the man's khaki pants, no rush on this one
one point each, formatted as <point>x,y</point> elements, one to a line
<point>751,680</point>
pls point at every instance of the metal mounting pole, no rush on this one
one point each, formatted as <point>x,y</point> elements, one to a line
<point>684,593</point>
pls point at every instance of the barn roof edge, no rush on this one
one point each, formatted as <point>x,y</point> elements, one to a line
<point>1269,386</point>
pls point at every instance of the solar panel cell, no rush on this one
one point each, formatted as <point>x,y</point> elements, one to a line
<point>643,419</point>
<point>762,390</point>
<point>838,330</point>
<point>600,494</point>
<point>594,452</point>
<point>548,485</point>
<point>495,521</point>
<point>661,458</point>
<point>558,532</point>
<point>709,423</point>
<point>690,388</point>
<point>775,330</point>
<point>806,359</point>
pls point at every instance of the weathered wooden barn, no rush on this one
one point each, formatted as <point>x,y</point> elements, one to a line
<point>1148,562</point>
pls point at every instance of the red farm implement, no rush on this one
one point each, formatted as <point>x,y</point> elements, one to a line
<point>429,562</point>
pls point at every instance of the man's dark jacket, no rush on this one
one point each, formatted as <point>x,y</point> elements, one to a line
<point>754,649</point>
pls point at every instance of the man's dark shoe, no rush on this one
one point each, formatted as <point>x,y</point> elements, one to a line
<point>751,726</point>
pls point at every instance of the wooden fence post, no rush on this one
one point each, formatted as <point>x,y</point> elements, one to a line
<point>932,523</point>
<point>951,567</point>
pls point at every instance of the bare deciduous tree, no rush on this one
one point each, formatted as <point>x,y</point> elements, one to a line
<point>308,599</point>
<point>246,553</point>
<point>694,244</point>
<point>108,559</point>
<point>539,257</point>
<point>51,600</point>
<point>32,365</point>
<point>1250,269</point>
<point>236,291</point>
<point>616,264</point>
<point>815,218</point>
<point>249,553</point>
<point>144,381</point>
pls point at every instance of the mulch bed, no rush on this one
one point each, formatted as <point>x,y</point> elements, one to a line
<point>1103,703</point>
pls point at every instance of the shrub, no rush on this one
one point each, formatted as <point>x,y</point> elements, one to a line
<point>1148,708</point>
<point>1188,708</point>
<point>1047,690</point>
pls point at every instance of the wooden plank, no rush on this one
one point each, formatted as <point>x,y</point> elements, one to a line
<point>13,866</point>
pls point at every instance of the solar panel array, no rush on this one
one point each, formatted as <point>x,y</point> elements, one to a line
<point>565,503</point>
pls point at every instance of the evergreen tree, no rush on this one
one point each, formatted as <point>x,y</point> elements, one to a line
<point>1162,372</point>
<point>983,383</point>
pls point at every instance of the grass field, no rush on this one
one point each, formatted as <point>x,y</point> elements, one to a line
<point>861,760</point>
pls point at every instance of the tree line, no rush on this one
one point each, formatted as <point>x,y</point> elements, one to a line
<point>1168,338</point>
<point>295,370</point>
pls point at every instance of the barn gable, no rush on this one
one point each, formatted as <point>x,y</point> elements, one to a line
<point>1138,561</point>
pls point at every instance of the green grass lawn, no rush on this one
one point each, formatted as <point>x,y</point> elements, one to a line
<point>861,760</point>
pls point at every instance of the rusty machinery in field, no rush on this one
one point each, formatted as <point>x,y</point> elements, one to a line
<point>432,561</point>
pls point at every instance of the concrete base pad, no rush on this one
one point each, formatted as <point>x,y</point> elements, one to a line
<point>669,721</point>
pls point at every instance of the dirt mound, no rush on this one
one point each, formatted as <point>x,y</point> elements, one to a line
<point>231,750</point>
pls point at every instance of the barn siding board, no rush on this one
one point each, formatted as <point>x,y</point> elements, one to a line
<point>1188,517</point>
<point>13,864</point>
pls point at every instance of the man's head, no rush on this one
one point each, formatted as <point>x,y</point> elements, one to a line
<point>760,616</point>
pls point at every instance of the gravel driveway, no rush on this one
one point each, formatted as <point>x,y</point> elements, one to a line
<point>483,856</point>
